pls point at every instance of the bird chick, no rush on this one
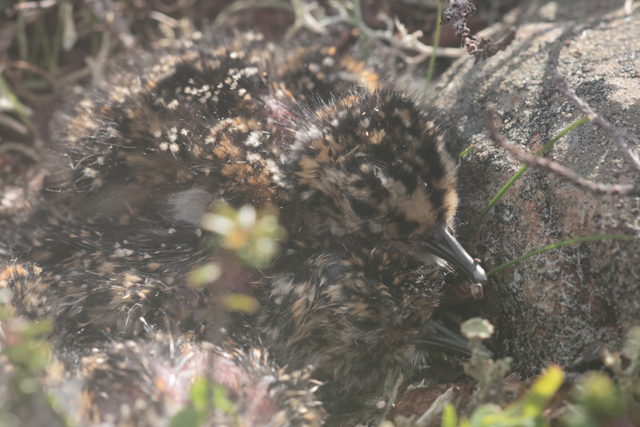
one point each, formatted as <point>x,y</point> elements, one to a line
<point>144,383</point>
<point>373,201</point>
<point>359,172</point>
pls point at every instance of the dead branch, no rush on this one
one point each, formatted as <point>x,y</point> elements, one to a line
<point>563,85</point>
<point>551,166</point>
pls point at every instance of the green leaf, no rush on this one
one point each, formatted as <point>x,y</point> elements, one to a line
<point>37,329</point>
<point>594,238</point>
<point>598,401</point>
<point>188,417</point>
<point>464,153</point>
<point>533,403</point>
<point>486,415</point>
<point>449,416</point>
<point>201,276</point>
<point>199,394</point>
<point>220,400</point>
<point>241,302</point>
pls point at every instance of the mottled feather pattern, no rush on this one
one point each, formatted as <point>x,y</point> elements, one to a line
<point>356,168</point>
<point>208,118</point>
<point>140,383</point>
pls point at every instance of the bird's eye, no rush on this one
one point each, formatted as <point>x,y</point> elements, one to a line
<point>362,209</point>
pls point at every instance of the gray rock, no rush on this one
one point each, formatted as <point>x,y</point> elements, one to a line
<point>561,305</point>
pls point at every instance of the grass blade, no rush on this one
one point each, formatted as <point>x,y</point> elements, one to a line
<point>436,41</point>
<point>560,244</point>
<point>522,170</point>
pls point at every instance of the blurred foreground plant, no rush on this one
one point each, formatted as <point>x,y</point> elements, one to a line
<point>24,362</point>
<point>524,412</point>
<point>204,397</point>
<point>488,373</point>
<point>598,401</point>
<point>252,235</point>
<point>249,239</point>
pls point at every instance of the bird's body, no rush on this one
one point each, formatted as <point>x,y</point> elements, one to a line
<point>359,173</point>
<point>163,367</point>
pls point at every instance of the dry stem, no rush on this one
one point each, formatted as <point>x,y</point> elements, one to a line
<point>563,85</point>
<point>551,166</point>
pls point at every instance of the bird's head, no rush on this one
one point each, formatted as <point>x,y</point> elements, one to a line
<point>374,168</point>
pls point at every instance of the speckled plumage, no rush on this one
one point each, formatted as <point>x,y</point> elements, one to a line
<point>359,173</point>
<point>140,383</point>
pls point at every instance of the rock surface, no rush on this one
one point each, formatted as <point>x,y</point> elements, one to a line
<point>560,306</point>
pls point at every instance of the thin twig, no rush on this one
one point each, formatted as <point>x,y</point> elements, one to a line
<point>241,5</point>
<point>104,11</point>
<point>73,77</point>
<point>20,148</point>
<point>407,41</point>
<point>402,44</point>
<point>523,169</point>
<point>33,5</point>
<point>563,85</point>
<point>398,378</point>
<point>13,124</point>
<point>628,8</point>
<point>436,42</point>
<point>24,65</point>
<point>304,19</point>
<point>551,166</point>
<point>435,410</point>
<point>97,64</point>
<point>167,20</point>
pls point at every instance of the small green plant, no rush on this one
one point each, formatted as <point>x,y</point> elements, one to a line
<point>625,364</point>
<point>524,412</point>
<point>598,401</point>
<point>204,397</point>
<point>253,236</point>
<point>31,46</point>
<point>24,361</point>
<point>488,373</point>
<point>9,102</point>
<point>466,150</point>
<point>248,238</point>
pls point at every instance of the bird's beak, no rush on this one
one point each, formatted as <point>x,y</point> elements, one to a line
<point>441,243</point>
<point>435,336</point>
